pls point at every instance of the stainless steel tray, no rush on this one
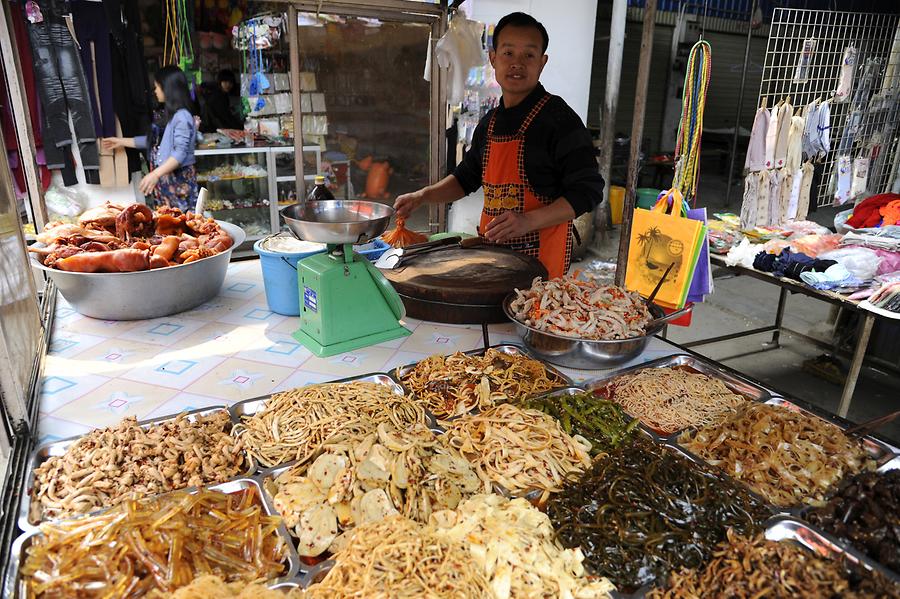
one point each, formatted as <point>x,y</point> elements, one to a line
<point>58,448</point>
<point>879,451</point>
<point>734,381</point>
<point>822,544</point>
<point>12,584</point>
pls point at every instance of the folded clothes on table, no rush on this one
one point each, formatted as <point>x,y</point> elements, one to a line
<point>833,278</point>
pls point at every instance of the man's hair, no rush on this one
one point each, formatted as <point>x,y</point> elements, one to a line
<point>521,19</point>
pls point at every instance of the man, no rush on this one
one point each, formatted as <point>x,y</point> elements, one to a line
<point>532,155</point>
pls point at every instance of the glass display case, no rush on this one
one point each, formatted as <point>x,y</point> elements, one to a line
<point>247,186</point>
<point>240,192</point>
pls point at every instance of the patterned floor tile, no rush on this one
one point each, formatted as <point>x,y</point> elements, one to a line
<point>439,339</point>
<point>174,369</point>
<point>52,429</point>
<point>61,386</point>
<point>67,343</point>
<point>163,331</point>
<point>243,288</point>
<point>354,363</point>
<point>216,308</point>
<point>302,378</point>
<point>103,328</point>
<point>253,313</point>
<point>116,399</point>
<point>402,358</point>
<point>236,380</point>
<point>276,348</point>
<point>184,402</point>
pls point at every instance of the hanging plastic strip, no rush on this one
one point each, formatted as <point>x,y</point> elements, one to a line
<point>690,128</point>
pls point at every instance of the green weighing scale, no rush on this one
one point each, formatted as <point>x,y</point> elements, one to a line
<point>345,302</point>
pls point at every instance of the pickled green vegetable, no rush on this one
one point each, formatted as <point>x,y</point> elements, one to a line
<point>600,421</point>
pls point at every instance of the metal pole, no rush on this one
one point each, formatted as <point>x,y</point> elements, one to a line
<point>610,102</point>
<point>740,105</point>
<point>294,57</point>
<point>637,132</point>
<point>21,117</point>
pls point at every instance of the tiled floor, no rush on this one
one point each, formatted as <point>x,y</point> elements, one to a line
<point>230,349</point>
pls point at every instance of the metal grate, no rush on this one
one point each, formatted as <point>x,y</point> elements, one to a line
<point>878,112</point>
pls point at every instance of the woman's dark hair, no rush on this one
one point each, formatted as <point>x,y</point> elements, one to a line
<point>175,88</point>
<point>228,75</point>
<point>521,19</point>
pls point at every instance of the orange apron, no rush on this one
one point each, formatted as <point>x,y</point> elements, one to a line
<point>506,188</point>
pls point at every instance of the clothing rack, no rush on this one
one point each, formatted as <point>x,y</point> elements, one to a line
<point>872,35</point>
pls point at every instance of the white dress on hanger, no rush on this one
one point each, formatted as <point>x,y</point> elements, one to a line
<point>459,50</point>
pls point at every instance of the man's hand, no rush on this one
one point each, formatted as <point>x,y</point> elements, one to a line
<point>508,225</point>
<point>405,204</point>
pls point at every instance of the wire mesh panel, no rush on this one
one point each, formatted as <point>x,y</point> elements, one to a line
<point>866,124</point>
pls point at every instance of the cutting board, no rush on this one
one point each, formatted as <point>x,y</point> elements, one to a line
<point>463,286</point>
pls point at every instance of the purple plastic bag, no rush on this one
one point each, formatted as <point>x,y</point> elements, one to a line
<point>700,283</point>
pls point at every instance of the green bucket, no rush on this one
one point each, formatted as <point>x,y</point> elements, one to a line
<point>646,197</point>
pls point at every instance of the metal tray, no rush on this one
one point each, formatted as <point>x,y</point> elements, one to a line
<point>58,448</point>
<point>734,381</point>
<point>287,580</point>
<point>822,544</point>
<point>879,451</point>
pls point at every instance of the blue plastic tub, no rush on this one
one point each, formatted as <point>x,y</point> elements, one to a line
<point>280,274</point>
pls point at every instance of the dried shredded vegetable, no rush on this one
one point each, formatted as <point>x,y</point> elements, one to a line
<point>457,384</point>
<point>643,510</point>
<point>569,307</point>
<point>161,543</point>
<point>213,587</point>
<point>788,457</point>
<point>521,450</point>
<point>753,568</point>
<point>295,424</point>
<point>397,558</point>
<point>671,399</point>
<point>389,472</point>
<point>108,465</point>
<point>512,542</point>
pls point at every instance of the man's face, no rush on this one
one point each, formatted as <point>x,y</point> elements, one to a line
<point>225,85</point>
<point>518,59</point>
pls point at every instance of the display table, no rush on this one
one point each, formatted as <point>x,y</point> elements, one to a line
<point>227,350</point>
<point>867,319</point>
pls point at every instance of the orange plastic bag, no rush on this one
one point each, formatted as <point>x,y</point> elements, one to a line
<point>400,236</point>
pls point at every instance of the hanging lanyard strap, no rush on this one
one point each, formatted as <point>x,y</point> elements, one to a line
<point>690,128</point>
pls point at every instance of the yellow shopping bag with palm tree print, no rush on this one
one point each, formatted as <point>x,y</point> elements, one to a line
<point>662,236</point>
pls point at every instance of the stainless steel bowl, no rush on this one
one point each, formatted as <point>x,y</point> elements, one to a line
<point>583,354</point>
<point>147,293</point>
<point>337,221</point>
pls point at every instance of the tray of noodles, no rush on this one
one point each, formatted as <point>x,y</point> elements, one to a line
<point>677,392</point>
<point>293,425</point>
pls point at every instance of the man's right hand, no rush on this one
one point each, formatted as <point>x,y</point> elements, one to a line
<point>408,202</point>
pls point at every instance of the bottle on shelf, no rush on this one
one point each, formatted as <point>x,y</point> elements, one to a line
<point>320,191</point>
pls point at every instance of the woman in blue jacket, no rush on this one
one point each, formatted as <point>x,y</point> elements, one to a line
<point>172,179</point>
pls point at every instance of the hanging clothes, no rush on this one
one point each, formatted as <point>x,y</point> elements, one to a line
<point>61,84</point>
<point>805,189</point>
<point>785,112</point>
<point>845,79</point>
<point>756,149</point>
<point>794,144</point>
<point>807,144</point>
<point>822,139</point>
<point>860,177</point>
<point>755,206</point>
<point>771,137</point>
<point>93,35</point>
<point>844,179</point>
<point>775,216</point>
<point>459,50</point>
